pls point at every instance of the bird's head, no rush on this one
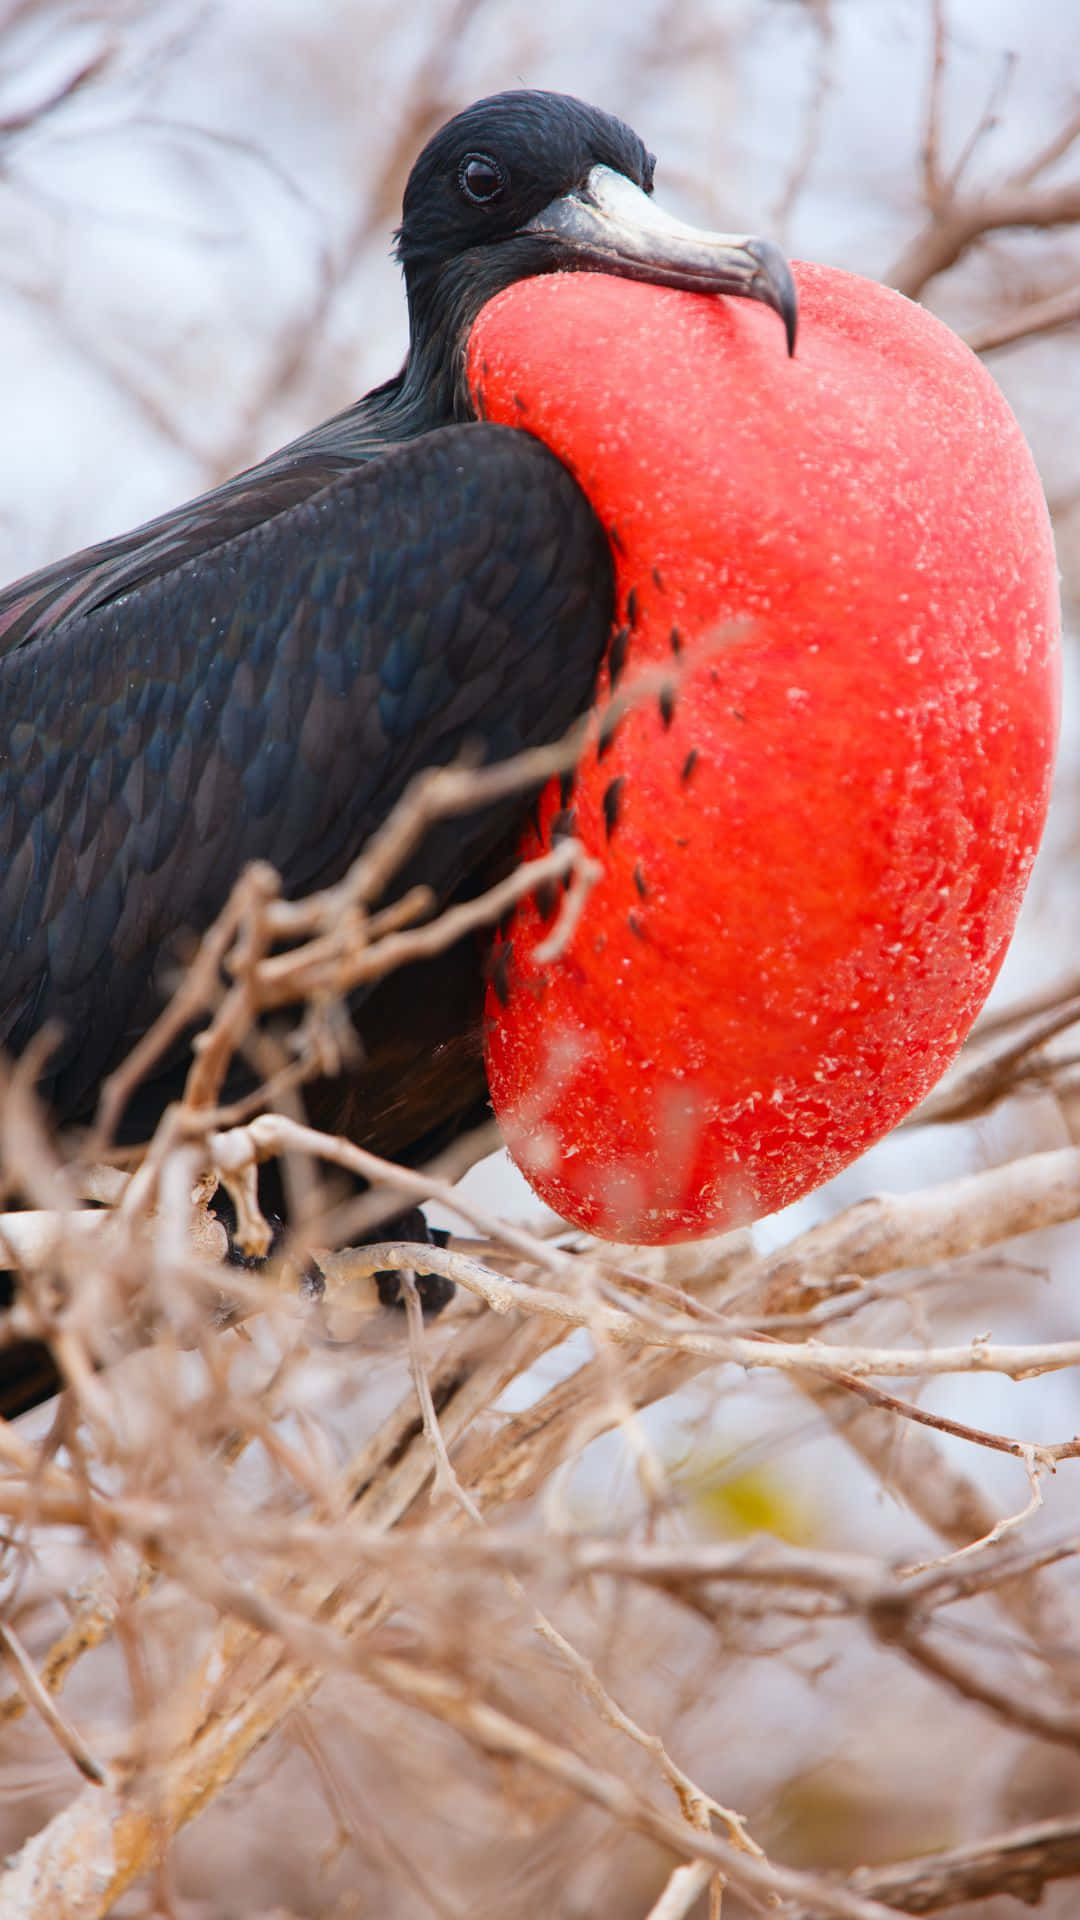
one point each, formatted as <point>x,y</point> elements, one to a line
<point>529,183</point>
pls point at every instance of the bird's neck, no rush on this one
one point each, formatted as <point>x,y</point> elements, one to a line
<point>430,391</point>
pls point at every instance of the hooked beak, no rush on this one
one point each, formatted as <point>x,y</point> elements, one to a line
<point>611,226</point>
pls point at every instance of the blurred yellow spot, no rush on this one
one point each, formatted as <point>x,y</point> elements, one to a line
<point>733,1504</point>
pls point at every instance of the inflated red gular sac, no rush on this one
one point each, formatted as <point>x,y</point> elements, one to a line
<point>817,824</point>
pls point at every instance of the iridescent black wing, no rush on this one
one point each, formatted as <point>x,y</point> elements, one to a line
<point>271,698</point>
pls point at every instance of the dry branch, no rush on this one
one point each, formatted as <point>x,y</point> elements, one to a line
<point>1020,1864</point>
<point>1034,317</point>
<point>957,216</point>
<point>310,1588</point>
<point>1012,1062</point>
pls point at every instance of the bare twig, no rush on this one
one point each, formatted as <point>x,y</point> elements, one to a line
<point>959,217</point>
<point>814,1357</point>
<point>1019,1864</point>
<point>683,1891</point>
<point>37,1695</point>
<point>1035,317</point>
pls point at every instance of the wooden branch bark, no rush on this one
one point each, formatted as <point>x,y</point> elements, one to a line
<point>1020,1864</point>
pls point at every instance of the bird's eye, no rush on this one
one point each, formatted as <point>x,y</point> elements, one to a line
<point>481,178</point>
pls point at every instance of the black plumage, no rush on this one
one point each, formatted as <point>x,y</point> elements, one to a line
<point>278,697</point>
<point>260,672</point>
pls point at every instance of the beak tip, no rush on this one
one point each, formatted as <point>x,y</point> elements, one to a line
<point>611,226</point>
<point>775,285</point>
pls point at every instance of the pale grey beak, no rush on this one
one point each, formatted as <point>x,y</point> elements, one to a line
<point>610,226</point>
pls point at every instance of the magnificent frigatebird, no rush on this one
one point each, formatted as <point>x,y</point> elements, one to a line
<point>260,672</point>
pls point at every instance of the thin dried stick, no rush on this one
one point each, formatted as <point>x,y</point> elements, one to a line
<point>696,1805</point>
<point>957,218</point>
<point>813,1357</point>
<point>1018,1864</point>
<point>1035,317</point>
<point>973,1089</point>
<point>1034,1455</point>
<point>37,1695</point>
<point>683,1891</point>
<point>497,1732</point>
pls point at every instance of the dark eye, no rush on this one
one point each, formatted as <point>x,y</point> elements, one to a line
<point>481,178</point>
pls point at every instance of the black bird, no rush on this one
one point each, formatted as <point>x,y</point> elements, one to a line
<point>261,672</point>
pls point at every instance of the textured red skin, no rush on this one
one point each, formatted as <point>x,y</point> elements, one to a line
<point>791,940</point>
